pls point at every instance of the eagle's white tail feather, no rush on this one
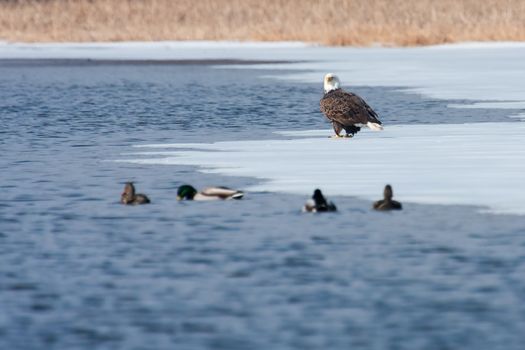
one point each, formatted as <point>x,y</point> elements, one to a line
<point>374,126</point>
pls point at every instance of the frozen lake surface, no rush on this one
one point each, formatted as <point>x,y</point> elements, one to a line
<point>438,164</point>
<point>78,270</point>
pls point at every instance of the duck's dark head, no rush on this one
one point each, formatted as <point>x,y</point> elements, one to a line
<point>319,198</point>
<point>186,192</point>
<point>388,192</point>
<point>128,194</point>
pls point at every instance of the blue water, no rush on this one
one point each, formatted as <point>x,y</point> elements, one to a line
<point>79,270</point>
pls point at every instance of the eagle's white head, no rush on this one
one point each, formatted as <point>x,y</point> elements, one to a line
<point>331,82</point>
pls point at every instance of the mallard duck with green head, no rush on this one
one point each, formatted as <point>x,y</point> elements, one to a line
<point>188,192</point>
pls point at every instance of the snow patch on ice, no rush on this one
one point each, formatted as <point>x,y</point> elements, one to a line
<point>470,164</point>
<point>160,50</point>
<point>486,105</point>
<point>518,116</point>
<point>478,45</point>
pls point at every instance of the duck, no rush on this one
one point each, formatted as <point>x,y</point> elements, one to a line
<point>318,203</point>
<point>388,203</point>
<point>130,197</point>
<point>188,192</point>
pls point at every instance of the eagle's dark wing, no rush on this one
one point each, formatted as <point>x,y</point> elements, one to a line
<point>347,108</point>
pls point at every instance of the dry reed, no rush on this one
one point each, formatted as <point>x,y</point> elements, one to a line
<point>332,22</point>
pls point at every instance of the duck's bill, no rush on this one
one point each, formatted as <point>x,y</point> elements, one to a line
<point>179,198</point>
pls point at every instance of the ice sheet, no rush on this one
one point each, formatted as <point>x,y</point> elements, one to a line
<point>470,164</point>
<point>488,105</point>
<point>475,71</point>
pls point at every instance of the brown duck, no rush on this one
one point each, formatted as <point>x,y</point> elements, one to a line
<point>130,197</point>
<point>387,203</point>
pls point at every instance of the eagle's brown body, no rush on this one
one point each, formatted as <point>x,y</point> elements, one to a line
<point>347,111</point>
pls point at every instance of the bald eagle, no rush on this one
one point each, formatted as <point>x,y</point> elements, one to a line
<point>346,110</point>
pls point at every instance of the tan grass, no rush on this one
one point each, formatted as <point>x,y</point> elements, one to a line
<point>333,22</point>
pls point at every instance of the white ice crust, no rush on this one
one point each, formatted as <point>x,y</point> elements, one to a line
<point>474,71</point>
<point>468,164</point>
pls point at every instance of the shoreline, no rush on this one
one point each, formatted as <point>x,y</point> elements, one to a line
<point>139,62</point>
